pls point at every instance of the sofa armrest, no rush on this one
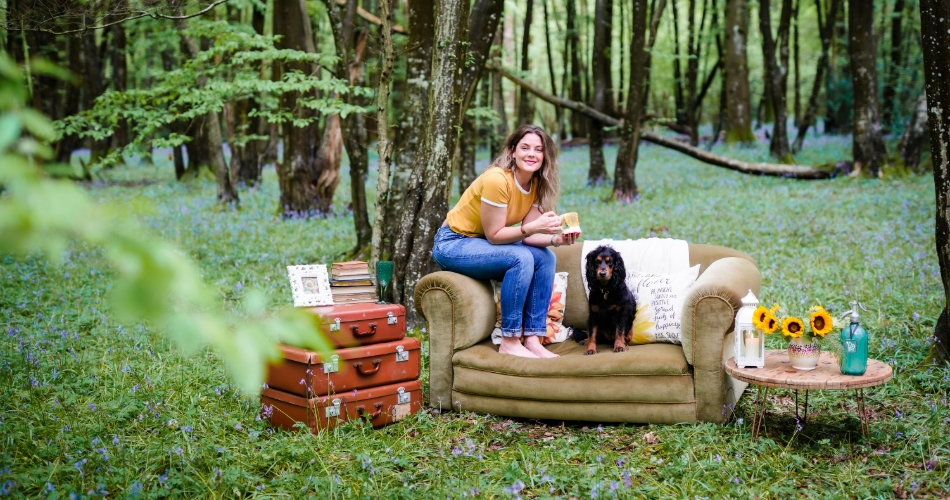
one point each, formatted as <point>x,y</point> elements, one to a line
<point>461,313</point>
<point>708,316</point>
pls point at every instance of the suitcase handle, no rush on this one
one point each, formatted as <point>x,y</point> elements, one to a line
<point>357,333</point>
<point>362,411</point>
<point>359,367</point>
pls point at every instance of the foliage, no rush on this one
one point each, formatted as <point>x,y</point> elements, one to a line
<point>91,404</point>
<point>42,218</point>
<point>227,71</point>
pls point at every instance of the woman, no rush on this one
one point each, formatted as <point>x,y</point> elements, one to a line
<point>479,238</point>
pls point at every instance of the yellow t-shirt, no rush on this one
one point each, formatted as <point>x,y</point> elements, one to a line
<point>498,187</point>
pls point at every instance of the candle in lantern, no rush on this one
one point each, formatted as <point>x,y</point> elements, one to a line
<point>752,347</point>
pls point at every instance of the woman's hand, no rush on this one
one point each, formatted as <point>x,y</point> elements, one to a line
<point>567,238</point>
<point>547,223</point>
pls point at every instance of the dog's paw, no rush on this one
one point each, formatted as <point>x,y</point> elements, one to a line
<point>590,351</point>
<point>620,348</point>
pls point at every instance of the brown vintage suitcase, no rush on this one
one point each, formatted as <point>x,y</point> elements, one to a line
<point>350,325</point>
<point>304,373</point>
<point>384,405</point>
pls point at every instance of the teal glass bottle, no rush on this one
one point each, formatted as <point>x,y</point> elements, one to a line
<point>854,339</point>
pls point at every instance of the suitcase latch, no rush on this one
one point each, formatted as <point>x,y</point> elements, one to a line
<point>333,411</point>
<point>403,396</point>
<point>333,365</point>
<point>401,354</point>
<point>391,319</point>
<point>335,326</point>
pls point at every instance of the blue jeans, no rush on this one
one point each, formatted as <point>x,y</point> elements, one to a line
<point>527,274</point>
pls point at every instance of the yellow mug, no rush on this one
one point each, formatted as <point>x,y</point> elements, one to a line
<point>570,223</point>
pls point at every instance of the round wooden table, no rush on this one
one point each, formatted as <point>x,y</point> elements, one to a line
<point>778,372</point>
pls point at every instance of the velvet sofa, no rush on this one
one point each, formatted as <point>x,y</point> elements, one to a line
<point>653,383</point>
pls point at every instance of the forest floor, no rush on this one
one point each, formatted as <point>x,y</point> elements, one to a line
<point>95,407</point>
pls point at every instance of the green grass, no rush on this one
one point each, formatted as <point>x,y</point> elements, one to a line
<point>89,405</point>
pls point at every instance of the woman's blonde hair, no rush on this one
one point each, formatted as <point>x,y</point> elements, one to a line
<point>549,181</point>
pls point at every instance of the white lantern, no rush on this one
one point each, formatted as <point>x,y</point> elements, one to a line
<point>750,341</point>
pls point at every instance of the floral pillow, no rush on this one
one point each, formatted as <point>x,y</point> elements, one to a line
<point>556,331</point>
<point>660,299</point>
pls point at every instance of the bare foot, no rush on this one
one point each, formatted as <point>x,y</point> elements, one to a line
<point>512,345</point>
<point>533,344</point>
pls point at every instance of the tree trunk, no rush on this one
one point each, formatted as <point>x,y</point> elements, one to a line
<point>177,127</point>
<point>601,75</point>
<point>465,157</point>
<point>500,130</point>
<point>350,47</point>
<point>790,171</point>
<point>69,143</point>
<point>738,97</point>
<point>211,126</point>
<point>547,44</point>
<point>796,61</point>
<point>525,100</point>
<point>426,201</point>
<point>678,97</point>
<point>120,137</point>
<point>625,181</point>
<point>935,37</point>
<point>384,145</point>
<point>409,133</point>
<point>656,16</point>
<point>306,185</point>
<point>92,86</point>
<point>579,122</point>
<point>246,162</point>
<point>482,27</point>
<point>776,73</point>
<point>868,142</point>
<point>838,89</point>
<point>889,97</point>
<point>914,138</point>
<point>825,31</point>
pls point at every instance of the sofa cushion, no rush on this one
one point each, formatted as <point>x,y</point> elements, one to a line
<point>656,373</point>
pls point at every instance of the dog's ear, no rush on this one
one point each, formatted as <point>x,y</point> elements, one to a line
<point>620,271</point>
<point>591,267</point>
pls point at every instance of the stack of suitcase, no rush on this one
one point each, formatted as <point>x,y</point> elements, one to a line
<point>374,372</point>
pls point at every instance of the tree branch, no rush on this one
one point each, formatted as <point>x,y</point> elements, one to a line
<point>131,15</point>
<point>375,20</point>
<point>772,169</point>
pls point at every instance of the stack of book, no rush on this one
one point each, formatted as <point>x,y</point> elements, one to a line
<point>350,283</point>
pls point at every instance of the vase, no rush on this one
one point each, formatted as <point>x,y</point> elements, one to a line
<point>803,354</point>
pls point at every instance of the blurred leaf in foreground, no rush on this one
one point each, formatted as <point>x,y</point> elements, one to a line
<point>156,282</point>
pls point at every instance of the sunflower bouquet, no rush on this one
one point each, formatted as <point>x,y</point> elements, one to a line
<point>820,324</point>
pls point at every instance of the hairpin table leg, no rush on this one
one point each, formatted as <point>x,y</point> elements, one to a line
<point>863,415</point>
<point>758,413</point>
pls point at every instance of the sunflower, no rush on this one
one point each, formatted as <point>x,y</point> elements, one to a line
<point>793,327</point>
<point>770,324</point>
<point>759,317</point>
<point>820,321</point>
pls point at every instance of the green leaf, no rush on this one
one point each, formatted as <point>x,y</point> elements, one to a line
<point>38,125</point>
<point>10,129</point>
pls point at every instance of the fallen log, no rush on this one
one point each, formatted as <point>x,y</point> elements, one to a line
<point>756,168</point>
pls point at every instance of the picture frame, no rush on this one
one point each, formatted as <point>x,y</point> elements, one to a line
<point>310,285</point>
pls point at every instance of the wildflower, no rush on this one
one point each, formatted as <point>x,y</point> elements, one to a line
<point>238,426</point>
<point>91,406</point>
<point>515,488</point>
<point>78,465</point>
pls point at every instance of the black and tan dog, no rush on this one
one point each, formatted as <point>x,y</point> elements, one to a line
<point>612,306</point>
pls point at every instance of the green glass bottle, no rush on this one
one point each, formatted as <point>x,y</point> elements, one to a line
<point>854,339</point>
